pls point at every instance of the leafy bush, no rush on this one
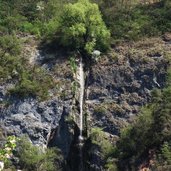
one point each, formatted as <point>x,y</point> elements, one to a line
<point>98,137</point>
<point>29,81</point>
<point>33,158</point>
<point>81,27</point>
<point>9,44</point>
<point>100,111</point>
<point>132,20</point>
<point>9,50</point>
<point>134,139</point>
<point>166,152</point>
<point>34,82</point>
<point>111,165</point>
<point>30,16</point>
<point>151,130</point>
<point>6,152</point>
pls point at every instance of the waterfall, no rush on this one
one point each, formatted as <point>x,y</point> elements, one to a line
<point>155,81</point>
<point>81,82</point>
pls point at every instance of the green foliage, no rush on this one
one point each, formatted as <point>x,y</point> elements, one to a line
<point>134,139</point>
<point>100,111</point>
<point>163,158</point>
<point>98,137</point>
<point>126,19</point>
<point>9,50</point>
<point>33,158</point>
<point>111,165</point>
<point>33,82</point>
<point>156,95</point>
<point>73,65</point>
<point>31,16</point>
<point>7,151</point>
<point>166,152</point>
<point>132,20</point>
<point>151,130</point>
<point>81,27</point>
<point>9,44</point>
<point>29,81</point>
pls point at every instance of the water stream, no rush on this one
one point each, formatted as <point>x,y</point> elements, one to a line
<point>81,99</point>
<point>81,82</point>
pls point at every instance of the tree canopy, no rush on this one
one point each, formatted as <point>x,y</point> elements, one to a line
<point>82,27</point>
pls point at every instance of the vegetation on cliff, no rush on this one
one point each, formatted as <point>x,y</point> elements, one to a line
<point>85,26</point>
<point>148,139</point>
<point>28,80</point>
<point>33,158</point>
<point>134,19</point>
<point>81,27</point>
<point>128,20</point>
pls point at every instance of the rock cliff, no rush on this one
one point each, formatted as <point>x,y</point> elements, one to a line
<point>118,84</point>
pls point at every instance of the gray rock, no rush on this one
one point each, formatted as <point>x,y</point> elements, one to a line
<point>126,80</point>
<point>29,117</point>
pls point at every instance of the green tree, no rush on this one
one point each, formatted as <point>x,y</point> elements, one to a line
<point>82,27</point>
<point>9,44</point>
<point>151,130</point>
<point>33,158</point>
<point>166,152</point>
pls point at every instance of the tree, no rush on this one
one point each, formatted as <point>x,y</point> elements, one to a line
<point>82,27</point>
<point>34,158</point>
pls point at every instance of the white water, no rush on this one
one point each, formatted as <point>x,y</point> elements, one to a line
<point>81,82</point>
<point>155,81</point>
<point>1,165</point>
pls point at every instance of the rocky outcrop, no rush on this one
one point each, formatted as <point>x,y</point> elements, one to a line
<point>117,86</point>
<point>31,117</point>
<point>63,135</point>
<point>121,82</point>
<point>28,117</point>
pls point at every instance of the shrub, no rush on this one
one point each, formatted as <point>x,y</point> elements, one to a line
<point>29,81</point>
<point>166,152</point>
<point>100,111</point>
<point>9,44</point>
<point>33,158</point>
<point>111,165</point>
<point>13,23</point>
<point>9,53</point>
<point>6,151</point>
<point>81,27</point>
<point>151,130</point>
<point>98,137</point>
<point>132,20</point>
<point>34,83</point>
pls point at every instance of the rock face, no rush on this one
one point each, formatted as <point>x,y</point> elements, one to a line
<point>32,118</point>
<point>117,86</point>
<point>121,82</point>
<point>29,116</point>
<point>63,135</point>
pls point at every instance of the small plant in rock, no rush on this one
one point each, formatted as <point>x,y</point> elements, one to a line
<point>6,153</point>
<point>33,158</point>
<point>35,82</point>
<point>100,111</point>
<point>73,65</point>
<point>99,138</point>
<point>165,153</point>
<point>111,165</point>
